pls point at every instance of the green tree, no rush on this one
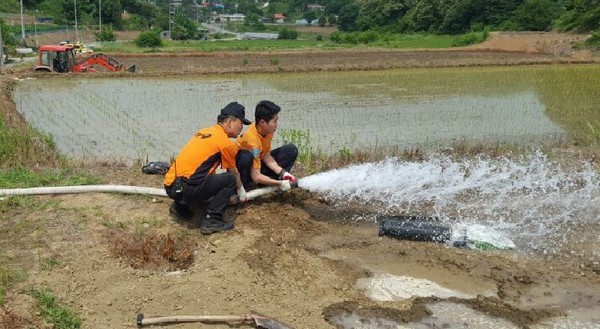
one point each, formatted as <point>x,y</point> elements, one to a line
<point>9,6</point>
<point>331,20</point>
<point>7,34</point>
<point>347,18</point>
<point>147,12</point>
<point>288,34</point>
<point>499,11</point>
<point>458,17</point>
<point>63,11</point>
<point>581,16</point>
<point>322,20</point>
<point>253,20</point>
<point>333,7</point>
<point>466,15</point>
<point>111,12</point>
<point>183,28</point>
<point>377,13</point>
<point>148,39</point>
<point>107,34</point>
<point>309,16</point>
<point>425,16</point>
<point>536,15</point>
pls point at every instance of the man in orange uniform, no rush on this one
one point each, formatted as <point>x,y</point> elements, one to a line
<point>191,179</point>
<point>256,162</point>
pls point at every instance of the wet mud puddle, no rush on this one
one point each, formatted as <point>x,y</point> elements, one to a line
<point>451,297</point>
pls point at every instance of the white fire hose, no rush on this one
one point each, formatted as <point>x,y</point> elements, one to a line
<point>126,189</point>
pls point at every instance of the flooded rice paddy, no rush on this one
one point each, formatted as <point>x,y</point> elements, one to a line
<point>152,118</point>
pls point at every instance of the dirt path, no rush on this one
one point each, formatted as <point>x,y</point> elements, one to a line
<point>286,258</point>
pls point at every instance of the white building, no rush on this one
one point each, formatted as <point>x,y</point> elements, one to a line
<point>232,17</point>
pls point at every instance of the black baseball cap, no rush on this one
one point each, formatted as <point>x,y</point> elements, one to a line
<point>237,110</point>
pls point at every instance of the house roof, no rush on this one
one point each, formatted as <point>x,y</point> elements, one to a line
<point>279,16</point>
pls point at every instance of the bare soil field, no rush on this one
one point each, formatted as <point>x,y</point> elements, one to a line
<point>291,255</point>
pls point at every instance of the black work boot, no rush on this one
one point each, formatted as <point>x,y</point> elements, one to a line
<point>180,212</point>
<point>212,225</point>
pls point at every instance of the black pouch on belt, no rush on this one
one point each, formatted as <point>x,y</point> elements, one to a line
<point>177,190</point>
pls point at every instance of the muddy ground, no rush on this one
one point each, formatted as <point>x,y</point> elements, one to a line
<point>291,256</point>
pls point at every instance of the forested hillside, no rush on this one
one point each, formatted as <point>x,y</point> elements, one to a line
<point>396,16</point>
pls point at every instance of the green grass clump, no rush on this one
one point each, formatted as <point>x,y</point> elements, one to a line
<point>25,177</point>
<point>22,145</point>
<point>8,277</point>
<point>593,129</point>
<point>51,263</point>
<point>59,316</point>
<point>300,138</point>
<point>470,38</point>
<point>594,39</point>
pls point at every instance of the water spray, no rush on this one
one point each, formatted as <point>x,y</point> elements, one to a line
<point>525,200</point>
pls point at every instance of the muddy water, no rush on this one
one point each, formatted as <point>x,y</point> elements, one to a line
<point>153,118</point>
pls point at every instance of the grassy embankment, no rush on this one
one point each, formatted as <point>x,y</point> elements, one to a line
<point>306,41</point>
<point>28,158</point>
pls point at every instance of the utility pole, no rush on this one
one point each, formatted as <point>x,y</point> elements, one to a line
<point>22,25</point>
<point>175,5</point>
<point>37,42</point>
<point>100,15</point>
<point>1,51</point>
<point>76,30</point>
<point>169,20</point>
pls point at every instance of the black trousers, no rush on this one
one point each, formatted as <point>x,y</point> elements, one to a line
<point>285,156</point>
<point>215,189</point>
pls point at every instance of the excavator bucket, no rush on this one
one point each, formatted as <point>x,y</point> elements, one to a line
<point>131,68</point>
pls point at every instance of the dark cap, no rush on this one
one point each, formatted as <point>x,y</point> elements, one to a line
<point>236,110</point>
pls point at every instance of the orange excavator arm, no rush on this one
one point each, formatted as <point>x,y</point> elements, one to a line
<point>100,59</point>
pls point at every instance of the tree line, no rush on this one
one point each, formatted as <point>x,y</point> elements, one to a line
<point>460,16</point>
<point>389,16</point>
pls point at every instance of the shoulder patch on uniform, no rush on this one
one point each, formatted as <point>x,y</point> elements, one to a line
<point>255,152</point>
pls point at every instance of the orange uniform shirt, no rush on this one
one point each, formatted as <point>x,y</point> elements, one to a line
<point>254,142</point>
<point>202,155</point>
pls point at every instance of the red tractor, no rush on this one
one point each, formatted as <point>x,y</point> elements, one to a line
<point>62,59</point>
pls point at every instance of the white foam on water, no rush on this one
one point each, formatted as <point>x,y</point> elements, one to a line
<point>450,315</point>
<point>387,287</point>
<point>534,200</point>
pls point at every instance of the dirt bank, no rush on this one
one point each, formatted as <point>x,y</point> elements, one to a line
<point>286,258</point>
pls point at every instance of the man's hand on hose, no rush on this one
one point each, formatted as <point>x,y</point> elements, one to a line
<point>239,197</point>
<point>285,185</point>
<point>284,175</point>
<point>241,192</point>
